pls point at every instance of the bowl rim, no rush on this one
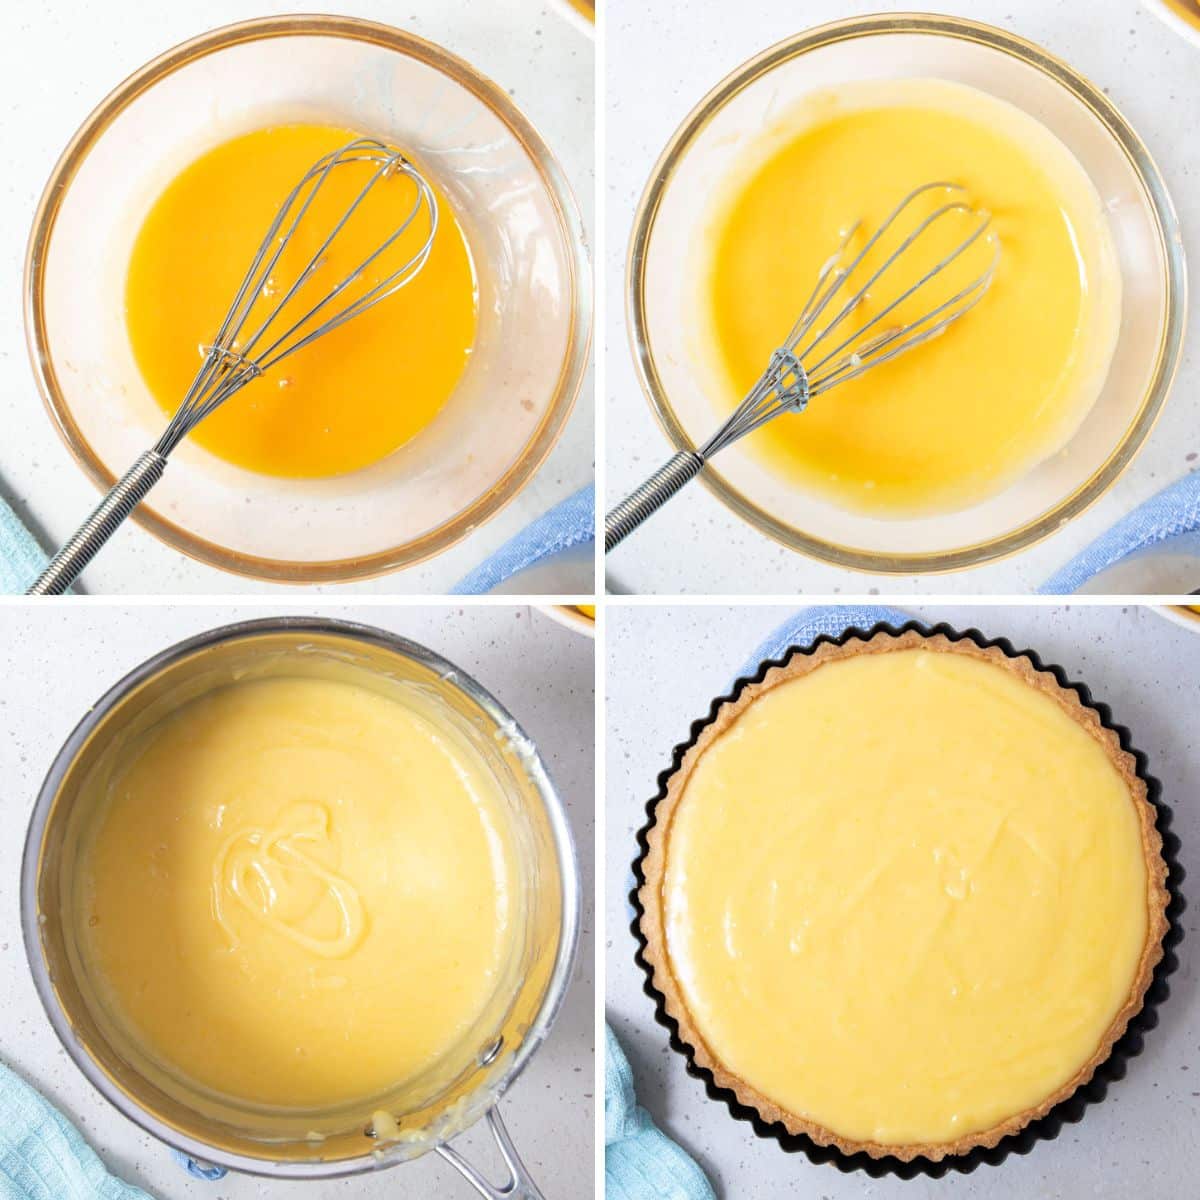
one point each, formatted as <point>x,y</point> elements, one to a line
<point>1167,12</point>
<point>572,371</point>
<point>569,617</point>
<point>1158,200</point>
<point>1181,615</point>
<point>571,894</point>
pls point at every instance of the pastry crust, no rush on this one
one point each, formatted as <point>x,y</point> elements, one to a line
<point>653,866</point>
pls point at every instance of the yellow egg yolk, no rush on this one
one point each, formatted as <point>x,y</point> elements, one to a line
<point>353,396</point>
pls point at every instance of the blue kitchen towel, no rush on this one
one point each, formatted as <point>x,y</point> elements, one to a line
<point>807,624</point>
<point>568,524</point>
<point>43,1156</point>
<point>1174,510</point>
<point>21,558</point>
<point>640,1161</point>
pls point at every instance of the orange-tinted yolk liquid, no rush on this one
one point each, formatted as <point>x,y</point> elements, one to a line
<point>353,396</point>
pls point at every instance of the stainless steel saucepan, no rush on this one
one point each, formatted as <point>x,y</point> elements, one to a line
<point>428,1111</point>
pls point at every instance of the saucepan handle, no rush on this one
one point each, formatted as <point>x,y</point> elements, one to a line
<point>518,1186</point>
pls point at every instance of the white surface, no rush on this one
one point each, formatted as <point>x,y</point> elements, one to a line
<point>55,661</point>
<point>59,58</point>
<point>661,59</point>
<point>1141,1140</point>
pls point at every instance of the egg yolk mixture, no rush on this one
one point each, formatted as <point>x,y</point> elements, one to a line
<point>296,893</point>
<point>353,396</point>
<point>960,417</point>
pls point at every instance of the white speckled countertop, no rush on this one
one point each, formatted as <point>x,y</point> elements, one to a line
<point>1140,1141</point>
<point>55,661</point>
<point>59,58</point>
<point>661,58</point>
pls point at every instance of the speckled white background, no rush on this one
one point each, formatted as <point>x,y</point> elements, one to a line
<point>59,58</point>
<point>55,661</point>
<point>1140,1141</point>
<point>661,59</point>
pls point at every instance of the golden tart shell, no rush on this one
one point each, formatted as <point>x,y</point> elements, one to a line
<point>653,865</point>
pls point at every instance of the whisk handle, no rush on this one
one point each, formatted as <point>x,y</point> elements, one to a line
<point>124,496</point>
<point>646,500</point>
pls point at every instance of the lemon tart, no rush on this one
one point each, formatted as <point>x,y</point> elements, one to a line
<point>903,894</point>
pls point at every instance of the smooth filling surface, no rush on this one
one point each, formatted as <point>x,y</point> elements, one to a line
<point>296,893</point>
<point>964,415</point>
<point>904,896</point>
<point>355,395</point>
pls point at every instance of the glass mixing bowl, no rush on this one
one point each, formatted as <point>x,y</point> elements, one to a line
<point>516,209</point>
<point>463,1086</point>
<point>674,211</point>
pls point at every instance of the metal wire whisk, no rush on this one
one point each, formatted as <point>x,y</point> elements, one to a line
<point>814,358</point>
<point>244,349</point>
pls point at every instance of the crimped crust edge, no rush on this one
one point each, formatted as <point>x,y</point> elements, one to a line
<point>796,665</point>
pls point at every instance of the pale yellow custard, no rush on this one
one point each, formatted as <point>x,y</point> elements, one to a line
<point>901,899</point>
<point>297,893</point>
<point>966,414</point>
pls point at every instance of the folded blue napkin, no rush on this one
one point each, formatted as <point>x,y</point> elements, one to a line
<point>21,558</point>
<point>1174,510</point>
<point>640,1161</point>
<point>807,624</point>
<point>43,1156</point>
<point>568,524</point>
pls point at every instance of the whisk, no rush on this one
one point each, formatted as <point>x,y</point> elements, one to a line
<point>818,355</point>
<point>243,349</point>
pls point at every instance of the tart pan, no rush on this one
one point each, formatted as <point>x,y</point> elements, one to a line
<point>1066,1112</point>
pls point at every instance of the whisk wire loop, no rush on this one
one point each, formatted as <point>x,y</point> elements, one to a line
<point>235,358</point>
<point>821,352</point>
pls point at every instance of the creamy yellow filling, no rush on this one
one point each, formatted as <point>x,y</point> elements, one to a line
<point>905,896</point>
<point>296,892</point>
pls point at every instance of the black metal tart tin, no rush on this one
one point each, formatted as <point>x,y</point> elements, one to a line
<point>1067,1111</point>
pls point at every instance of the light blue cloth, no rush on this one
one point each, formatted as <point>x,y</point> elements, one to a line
<point>43,1156</point>
<point>1174,510</point>
<point>568,524</point>
<point>21,558</point>
<point>808,624</point>
<point>640,1161</point>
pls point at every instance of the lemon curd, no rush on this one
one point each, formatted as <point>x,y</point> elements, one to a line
<point>352,397</point>
<point>903,897</point>
<point>961,417</point>
<point>296,893</point>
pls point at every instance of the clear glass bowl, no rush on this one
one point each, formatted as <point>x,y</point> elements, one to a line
<point>675,208</point>
<point>516,208</point>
